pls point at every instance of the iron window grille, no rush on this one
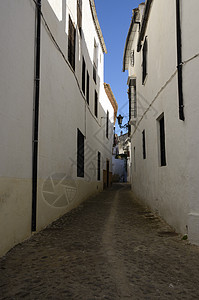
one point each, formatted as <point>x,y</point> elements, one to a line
<point>83,76</point>
<point>79,15</point>
<point>98,166</point>
<point>96,104</point>
<point>132,94</point>
<point>80,154</point>
<point>95,61</point>
<point>71,43</point>
<point>107,124</point>
<point>132,58</point>
<point>87,87</point>
<point>144,144</point>
<point>162,142</point>
<point>144,62</point>
<point>94,73</point>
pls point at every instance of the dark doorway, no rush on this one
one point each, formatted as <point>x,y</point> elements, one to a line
<point>107,169</point>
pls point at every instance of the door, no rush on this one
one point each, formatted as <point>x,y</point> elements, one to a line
<point>107,169</point>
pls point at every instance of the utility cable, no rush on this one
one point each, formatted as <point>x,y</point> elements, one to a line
<point>160,91</point>
<point>64,57</point>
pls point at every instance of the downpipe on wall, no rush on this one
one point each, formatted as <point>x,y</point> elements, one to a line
<point>36,113</point>
<point>179,60</point>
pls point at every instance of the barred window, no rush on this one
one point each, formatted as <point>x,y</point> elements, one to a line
<point>71,43</point>
<point>132,58</point>
<point>144,62</point>
<point>98,165</point>
<point>96,104</point>
<point>144,144</point>
<point>83,75</point>
<point>107,124</point>
<point>79,15</point>
<point>132,102</point>
<point>94,73</point>
<point>95,61</point>
<point>87,87</point>
<point>132,99</point>
<point>162,142</point>
<point>80,154</point>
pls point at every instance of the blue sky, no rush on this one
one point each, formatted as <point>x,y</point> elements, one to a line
<point>114,18</point>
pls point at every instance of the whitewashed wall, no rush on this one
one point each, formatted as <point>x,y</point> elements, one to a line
<point>63,109</point>
<point>16,106</point>
<point>190,47</point>
<point>171,190</point>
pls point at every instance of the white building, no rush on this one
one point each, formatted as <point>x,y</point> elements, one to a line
<point>55,117</point>
<point>161,56</point>
<point>121,159</point>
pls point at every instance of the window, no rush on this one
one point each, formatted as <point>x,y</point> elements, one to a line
<point>95,61</point>
<point>94,73</point>
<point>132,58</point>
<point>162,141</point>
<point>96,104</point>
<point>107,175</point>
<point>144,144</point>
<point>107,123</point>
<point>144,62</point>
<point>79,15</point>
<point>132,99</point>
<point>83,76</point>
<point>80,154</point>
<point>87,87</point>
<point>98,165</point>
<point>71,43</point>
<point>132,102</point>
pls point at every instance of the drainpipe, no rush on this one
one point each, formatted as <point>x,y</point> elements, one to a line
<point>36,114</point>
<point>179,61</point>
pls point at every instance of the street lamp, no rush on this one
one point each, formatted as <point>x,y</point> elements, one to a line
<point>119,119</point>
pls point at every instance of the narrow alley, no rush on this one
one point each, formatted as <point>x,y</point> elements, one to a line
<point>110,247</point>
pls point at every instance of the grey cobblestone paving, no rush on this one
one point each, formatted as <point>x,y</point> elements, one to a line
<point>110,247</point>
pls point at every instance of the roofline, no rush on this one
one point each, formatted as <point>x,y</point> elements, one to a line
<point>97,25</point>
<point>128,36</point>
<point>112,99</point>
<point>144,23</point>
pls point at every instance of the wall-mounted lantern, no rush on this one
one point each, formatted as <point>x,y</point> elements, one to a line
<point>119,119</point>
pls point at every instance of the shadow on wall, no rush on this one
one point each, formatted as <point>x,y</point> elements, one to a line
<point>95,138</point>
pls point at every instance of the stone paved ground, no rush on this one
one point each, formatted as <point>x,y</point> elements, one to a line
<point>110,247</point>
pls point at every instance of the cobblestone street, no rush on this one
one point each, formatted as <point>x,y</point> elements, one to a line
<point>110,247</point>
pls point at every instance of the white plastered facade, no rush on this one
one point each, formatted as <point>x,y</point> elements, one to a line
<point>63,110</point>
<point>171,190</point>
